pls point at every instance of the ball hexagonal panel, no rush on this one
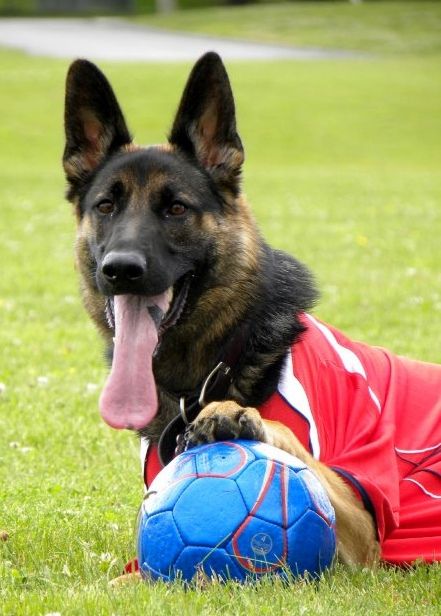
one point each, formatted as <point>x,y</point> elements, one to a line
<point>208,512</point>
<point>318,495</point>
<point>266,487</point>
<point>311,544</point>
<point>159,543</point>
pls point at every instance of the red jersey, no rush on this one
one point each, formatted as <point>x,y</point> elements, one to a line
<point>375,418</point>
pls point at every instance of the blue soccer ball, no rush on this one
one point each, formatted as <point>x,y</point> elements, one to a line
<point>238,510</point>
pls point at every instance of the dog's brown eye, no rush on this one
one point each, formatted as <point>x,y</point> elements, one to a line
<point>176,209</point>
<point>105,207</point>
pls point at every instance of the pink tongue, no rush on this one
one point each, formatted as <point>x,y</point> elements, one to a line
<point>129,397</point>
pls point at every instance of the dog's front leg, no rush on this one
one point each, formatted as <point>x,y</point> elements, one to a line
<point>356,536</point>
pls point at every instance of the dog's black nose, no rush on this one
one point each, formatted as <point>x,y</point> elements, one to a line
<point>120,268</point>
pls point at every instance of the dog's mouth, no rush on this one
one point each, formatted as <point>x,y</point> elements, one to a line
<point>129,398</point>
<point>162,320</point>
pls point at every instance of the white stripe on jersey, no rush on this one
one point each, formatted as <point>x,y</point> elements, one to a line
<point>144,445</point>
<point>422,488</point>
<point>349,359</point>
<point>418,450</point>
<point>292,390</point>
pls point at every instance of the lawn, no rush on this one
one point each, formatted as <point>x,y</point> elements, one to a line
<point>386,27</point>
<point>342,169</point>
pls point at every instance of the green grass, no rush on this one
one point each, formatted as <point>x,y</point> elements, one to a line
<point>378,27</point>
<point>342,169</point>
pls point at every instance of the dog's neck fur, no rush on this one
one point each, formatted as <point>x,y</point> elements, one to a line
<point>280,289</point>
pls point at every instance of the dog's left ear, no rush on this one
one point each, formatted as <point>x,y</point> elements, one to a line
<point>94,124</point>
<point>205,124</point>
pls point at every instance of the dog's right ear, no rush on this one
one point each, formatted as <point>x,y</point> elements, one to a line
<point>94,124</point>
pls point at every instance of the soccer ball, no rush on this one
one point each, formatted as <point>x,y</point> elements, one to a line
<point>235,510</point>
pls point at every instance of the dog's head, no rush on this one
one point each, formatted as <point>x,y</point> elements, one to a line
<point>152,221</point>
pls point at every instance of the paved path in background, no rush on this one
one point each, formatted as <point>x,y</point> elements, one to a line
<point>115,39</point>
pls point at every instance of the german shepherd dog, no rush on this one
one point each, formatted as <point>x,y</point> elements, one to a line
<point>197,311</point>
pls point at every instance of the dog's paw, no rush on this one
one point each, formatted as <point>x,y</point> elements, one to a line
<point>223,421</point>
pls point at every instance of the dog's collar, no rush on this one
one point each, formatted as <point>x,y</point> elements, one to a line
<point>214,388</point>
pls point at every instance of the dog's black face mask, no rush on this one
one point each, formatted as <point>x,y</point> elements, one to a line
<point>145,219</point>
<point>147,211</point>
